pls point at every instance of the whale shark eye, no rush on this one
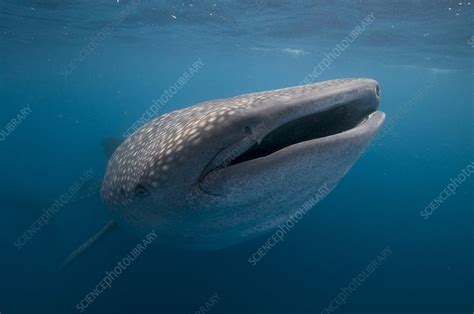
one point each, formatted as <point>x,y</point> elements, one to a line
<point>140,190</point>
<point>247,130</point>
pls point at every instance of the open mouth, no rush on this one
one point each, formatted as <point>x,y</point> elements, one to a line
<point>336,120</point>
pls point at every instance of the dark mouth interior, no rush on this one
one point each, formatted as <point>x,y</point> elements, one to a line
<point>317,125</point>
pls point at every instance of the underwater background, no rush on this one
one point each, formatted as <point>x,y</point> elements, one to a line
<point>75,73</point>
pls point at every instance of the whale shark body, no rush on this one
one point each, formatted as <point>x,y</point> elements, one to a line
<point>217,173</point>
<point>214,174</point>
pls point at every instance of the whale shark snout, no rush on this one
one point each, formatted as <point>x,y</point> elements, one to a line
<point>216,173</point>
<point>307,120</point>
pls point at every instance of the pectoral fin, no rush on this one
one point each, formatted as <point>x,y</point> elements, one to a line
<point>96,237</point>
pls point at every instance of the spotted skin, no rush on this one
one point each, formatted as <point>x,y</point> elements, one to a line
<point>151,174</point>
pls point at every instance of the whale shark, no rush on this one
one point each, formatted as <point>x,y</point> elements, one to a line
<point>220,172</point>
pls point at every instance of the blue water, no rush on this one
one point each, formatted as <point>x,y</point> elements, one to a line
<point>412,48</point>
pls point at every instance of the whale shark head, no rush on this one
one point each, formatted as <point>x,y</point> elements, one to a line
<point>218,172</point>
